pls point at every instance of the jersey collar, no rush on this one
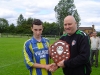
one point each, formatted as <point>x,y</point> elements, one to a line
<point>35,41</point>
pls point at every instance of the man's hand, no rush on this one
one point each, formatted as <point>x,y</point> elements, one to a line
<point>61,64</point>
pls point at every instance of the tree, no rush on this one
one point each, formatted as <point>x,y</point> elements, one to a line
<point>63,9</point>
<point>20,24</point>
<point>12,28</point>
<point>20,20</point>
<point>28,25</point>
<point>54,29</point>
<point>3,25</point>
<point>46,30</point>
<point>98,33</point>
<point>50,28</point>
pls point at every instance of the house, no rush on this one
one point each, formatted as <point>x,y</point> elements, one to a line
<point>87,29</point>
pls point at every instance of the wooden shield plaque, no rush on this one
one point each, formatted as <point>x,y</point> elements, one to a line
<point>59,51</point>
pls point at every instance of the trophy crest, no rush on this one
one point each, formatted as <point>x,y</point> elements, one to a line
<point>59,51</point>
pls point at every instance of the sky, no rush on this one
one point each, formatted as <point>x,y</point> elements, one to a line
<point>88,10</point>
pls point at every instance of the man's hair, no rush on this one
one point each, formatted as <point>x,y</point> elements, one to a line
<point>90,33</point>
<point>36,22</point>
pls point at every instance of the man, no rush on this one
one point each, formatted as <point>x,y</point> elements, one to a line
<point>94,48</point>
<point>36,52</point>
<point>90,35</point>
<point>78,63</point>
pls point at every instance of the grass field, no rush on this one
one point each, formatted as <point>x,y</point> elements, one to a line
<point>11,58</point>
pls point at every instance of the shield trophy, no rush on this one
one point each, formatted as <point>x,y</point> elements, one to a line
<point>59,51</point>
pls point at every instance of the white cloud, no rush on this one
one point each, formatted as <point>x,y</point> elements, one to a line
<point>6,13</point>
<point>44,9</point>
<point>89,12</point>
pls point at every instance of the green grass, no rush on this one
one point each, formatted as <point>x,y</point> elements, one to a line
<point>11,58</point>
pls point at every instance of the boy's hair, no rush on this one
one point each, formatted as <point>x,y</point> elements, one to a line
<point>36,22</point>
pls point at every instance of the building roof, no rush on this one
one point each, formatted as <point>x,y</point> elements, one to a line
<point>85,28</point>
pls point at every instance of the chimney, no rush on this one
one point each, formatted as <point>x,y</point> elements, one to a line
<point>93,28</point>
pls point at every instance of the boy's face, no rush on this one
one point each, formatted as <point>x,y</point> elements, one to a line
<point>37,30</point>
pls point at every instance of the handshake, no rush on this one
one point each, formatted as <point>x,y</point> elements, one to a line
<point>53,67</point>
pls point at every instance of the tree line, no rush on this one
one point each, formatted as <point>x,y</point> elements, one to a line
<point>24,27</point>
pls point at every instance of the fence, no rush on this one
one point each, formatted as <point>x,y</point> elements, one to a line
<point>55,37</point>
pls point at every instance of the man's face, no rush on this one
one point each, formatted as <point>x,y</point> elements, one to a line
<point>70,26</point>
<point>37,30</point>
<point>94,34</point>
